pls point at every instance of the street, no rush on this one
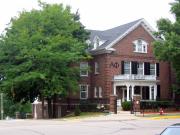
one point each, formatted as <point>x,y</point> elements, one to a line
<point>82,127</point>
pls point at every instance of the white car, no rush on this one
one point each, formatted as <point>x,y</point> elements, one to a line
<point>172,130</point>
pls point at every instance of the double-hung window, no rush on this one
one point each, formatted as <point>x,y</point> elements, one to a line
<point>152,69</point>
<point>140,68</point>
<point>97,92</point>
<point>100,92</point>
<point>84,69</point>
<point>83,91</point>
<point>96,68</point>
<point>127,67</point>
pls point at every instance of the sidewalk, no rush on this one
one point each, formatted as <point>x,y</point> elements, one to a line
<point>126,116</point>
<point>120,116</point>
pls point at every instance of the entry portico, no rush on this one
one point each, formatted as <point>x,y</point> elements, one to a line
<point>129,85</point>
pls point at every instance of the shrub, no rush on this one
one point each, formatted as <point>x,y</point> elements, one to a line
<point>77,111</point>
<point>126,105</point>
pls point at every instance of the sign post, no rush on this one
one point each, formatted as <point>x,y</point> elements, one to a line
<point>2,110</point>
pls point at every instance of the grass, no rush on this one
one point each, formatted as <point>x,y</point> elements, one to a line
<point>84,115</point>
<point>157,116</point>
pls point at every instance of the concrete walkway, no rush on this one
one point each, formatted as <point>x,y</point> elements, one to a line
<point>125,116</point>
<point>120,116</point>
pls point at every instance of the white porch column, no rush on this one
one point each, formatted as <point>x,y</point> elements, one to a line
<point>150,93</point>
<point>132,91</point>
<point>127,92</point>
<point>155,92</point>
<point>114,89</point>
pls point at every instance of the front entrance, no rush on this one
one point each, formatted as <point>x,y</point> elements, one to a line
<point>125,93</point>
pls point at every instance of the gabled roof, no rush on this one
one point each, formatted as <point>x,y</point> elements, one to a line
<point>112,36</point>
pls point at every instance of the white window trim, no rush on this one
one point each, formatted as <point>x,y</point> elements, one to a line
<point>154,68</point>
<point>144,43</point>
<point>128,68</point>
<point>100,92</point>
<point>85,75</point>
<point>99,43</point>
<point>87,86</point>
<point>95,92</point>
<point>96,65</point>
<point>96,38</point>
<point>140,68</point>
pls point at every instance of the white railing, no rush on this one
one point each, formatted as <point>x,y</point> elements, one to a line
<point>134,77</point>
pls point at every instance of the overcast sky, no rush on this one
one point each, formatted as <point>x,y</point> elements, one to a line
<point>97,14</point>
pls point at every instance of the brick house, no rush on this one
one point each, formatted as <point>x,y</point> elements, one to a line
<point>123,64</point>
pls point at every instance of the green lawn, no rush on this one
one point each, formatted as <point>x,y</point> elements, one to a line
<point>84,115</point>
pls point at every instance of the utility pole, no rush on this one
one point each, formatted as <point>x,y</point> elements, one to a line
<point>2,111</point>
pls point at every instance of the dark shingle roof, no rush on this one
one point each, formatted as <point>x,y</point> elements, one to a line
<point>111,34</point>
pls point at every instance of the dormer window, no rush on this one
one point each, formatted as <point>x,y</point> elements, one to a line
<point>98,42</point>
<point>140,46</point>
<point>88,42</point>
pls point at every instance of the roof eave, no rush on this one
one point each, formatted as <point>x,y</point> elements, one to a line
<point>101,51</point>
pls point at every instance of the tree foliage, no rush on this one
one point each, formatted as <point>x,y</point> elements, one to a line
<point>39,51</point>
<point>168,45</point>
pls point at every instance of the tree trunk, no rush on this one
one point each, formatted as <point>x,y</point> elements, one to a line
<point>49,108</point>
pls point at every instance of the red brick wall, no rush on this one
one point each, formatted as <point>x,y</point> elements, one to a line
<point>124,51</point>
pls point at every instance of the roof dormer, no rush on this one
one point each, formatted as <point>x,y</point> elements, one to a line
<point>97,42</point>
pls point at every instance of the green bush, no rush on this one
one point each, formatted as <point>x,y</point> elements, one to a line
<point>77,111</point>
<point>126,105</point>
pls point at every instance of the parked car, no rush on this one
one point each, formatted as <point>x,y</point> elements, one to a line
<point>172,130</point>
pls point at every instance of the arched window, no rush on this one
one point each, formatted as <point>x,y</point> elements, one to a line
<point>140,46</point>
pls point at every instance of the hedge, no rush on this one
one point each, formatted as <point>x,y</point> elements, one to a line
<point>126,105</point>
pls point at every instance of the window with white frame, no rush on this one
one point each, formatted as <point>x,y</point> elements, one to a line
<point>96,68</point>
<point>84,69</point>
<point>100,92</point>
<point>127,67</point>
<point>98,42</point>
<point>140,68</point>
<point>95,92</point>
<point>83,91</point>
<point>152,69</point>
<point>140,46</point>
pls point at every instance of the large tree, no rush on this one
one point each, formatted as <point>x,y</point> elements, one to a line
<point>167,48</point>
<point>38,53</point>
